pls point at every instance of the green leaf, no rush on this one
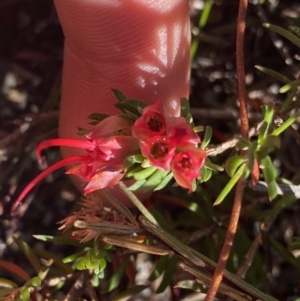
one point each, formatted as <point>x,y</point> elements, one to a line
<point>268,112</point>
<point>164,182</point>
<point>146,163</point>
<point>119,95</point>
<point>144,173</point>
<point>284,253</point>
<point>81,131</point>
<point>190,285</point>
<point>115,279</point>
<point>295,30</point>
<point>131,107</point>
<point>45,270</point>
<point>60,240</point>
<point>134,170</point>
<point>168,274</point>
<point>272,141</point>
<point>95,280</point>
<point>185,107</point>
<point>130,293</point>
<point>207,137</point>
<point>131,160</point>
<point>283,32</point>
<point>30,255</point>
<point>290,86</point>
<point>285,125</point>
<point>91,262</point>
<point>267,145</point>
<point>57,261</point>
<point>81,263</point>
<point>160,219</point>
<point>295,244</point>
<point>73,257</point>
<point>201,24</point>
<point>205,173</point>
<point>127,109</point>
<point>5,283</point>
<point>269,170</point>
<point>136,104</point>
<point>240,173</point>
<point>272,190</point>
<point>243,144</point>
<point>25,294</point>
<point>199,128</point>
<point>34,282</point>
<point>270,175</point>
<point>273,74</point>
<point>102,264</point>
<point>283,203</point>
<point>159,268</point>
<point>97,116</point>
<point>154,180</point>
<point>233,163</point>
<point>288,101</point>
<point>213,166</point>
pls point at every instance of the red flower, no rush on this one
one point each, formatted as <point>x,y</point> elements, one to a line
<point>151,123</point>
<point>181,133</point>
<point>159,150</point>
<point>186,166</point>
<point>106,148</point>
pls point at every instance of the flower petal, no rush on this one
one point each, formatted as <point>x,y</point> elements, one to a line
<point>151,123</point>
<point>102,180</point>
<point>181,132</point>
<point>186,166</point>
<point>159,150</point>
<point>110,126</point>
<point>44,174</point>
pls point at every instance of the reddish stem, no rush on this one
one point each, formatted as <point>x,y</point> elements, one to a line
<point>44,173</point>
<point>237,203</point>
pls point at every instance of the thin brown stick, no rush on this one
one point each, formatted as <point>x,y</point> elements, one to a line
<point>242,93</point>
<point>237,203</point>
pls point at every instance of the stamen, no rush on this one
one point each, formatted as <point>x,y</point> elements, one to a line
<point>83,144</point>
<point>46,172</point>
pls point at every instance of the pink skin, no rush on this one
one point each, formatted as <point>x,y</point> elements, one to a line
<point>141,47</point>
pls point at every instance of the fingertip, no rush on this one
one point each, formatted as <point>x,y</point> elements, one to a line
<point>172,107</point>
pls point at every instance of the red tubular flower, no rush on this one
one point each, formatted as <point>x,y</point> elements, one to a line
<point>106,149</point>
<point>186,166</point>
<point>159,150</point>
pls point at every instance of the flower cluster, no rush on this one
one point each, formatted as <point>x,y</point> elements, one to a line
<point>106,146</point>
<point>170,143</point>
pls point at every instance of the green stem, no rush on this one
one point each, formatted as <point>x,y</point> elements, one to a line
<point>137,203</point>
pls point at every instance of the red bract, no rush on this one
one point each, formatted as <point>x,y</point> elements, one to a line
<point>106,148</point>
<point>186,166</point>
<point>151,123</point>
<point>159,150</point>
